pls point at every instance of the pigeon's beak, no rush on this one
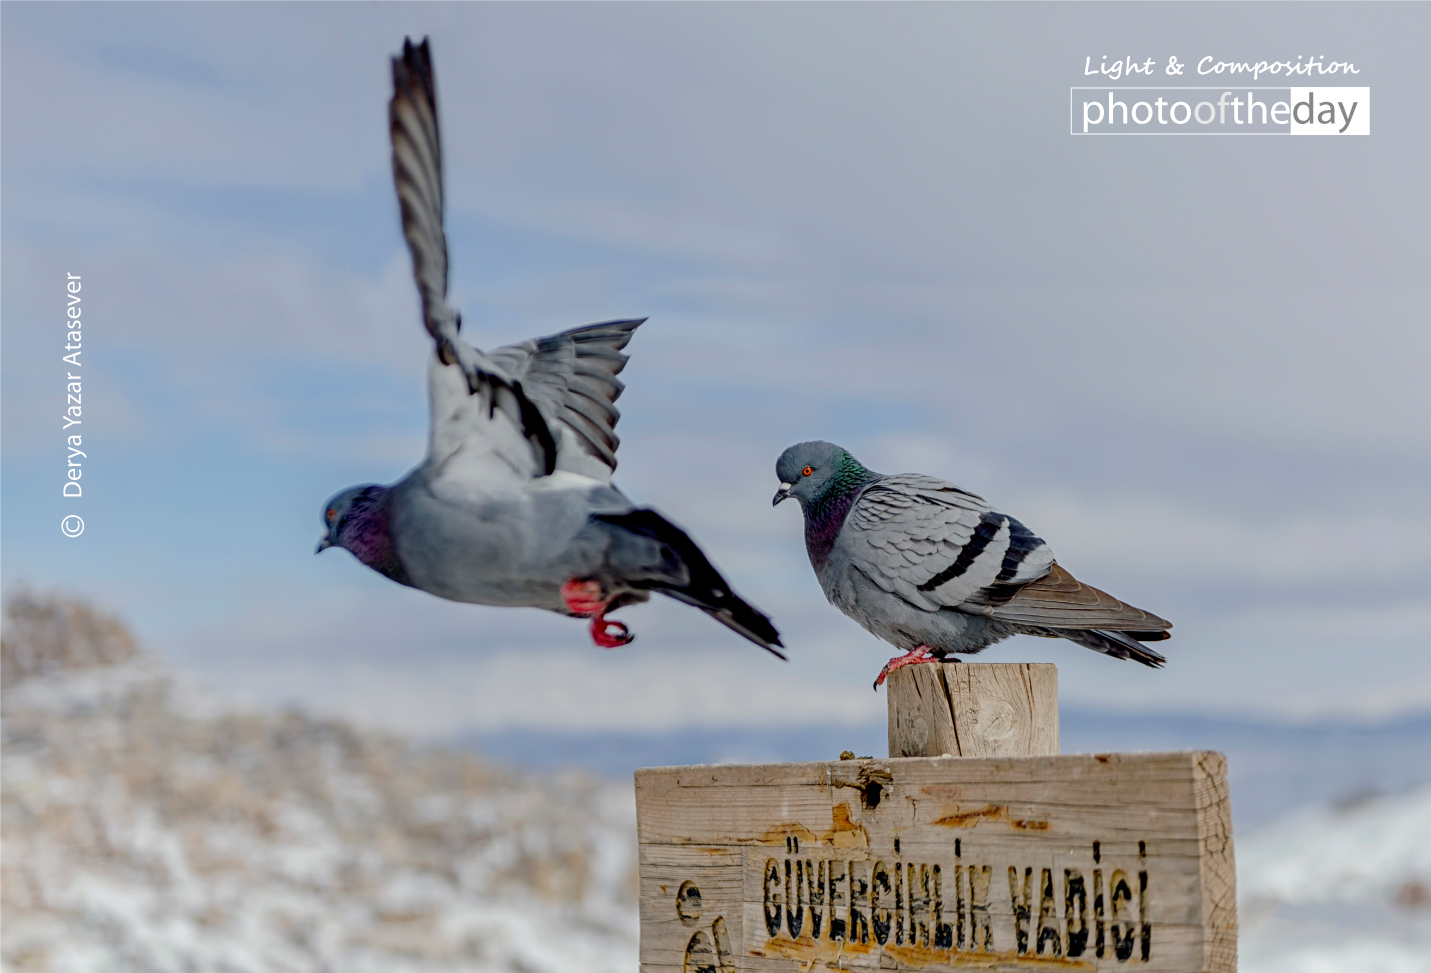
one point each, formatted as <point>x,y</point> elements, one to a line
<point>323,545</point>
<point>782,494</point>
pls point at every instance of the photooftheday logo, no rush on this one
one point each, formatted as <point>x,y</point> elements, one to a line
<point>1219,111</point>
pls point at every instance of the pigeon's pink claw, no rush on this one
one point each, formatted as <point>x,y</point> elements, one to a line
<point>609,633</point>
<point>583,597</point>
<point>916,655</point>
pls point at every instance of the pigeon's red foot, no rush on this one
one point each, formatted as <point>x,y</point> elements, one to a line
<point>916,655</point>
<point>583,597</point>
<point>609,633</point>
<point>586,598</point>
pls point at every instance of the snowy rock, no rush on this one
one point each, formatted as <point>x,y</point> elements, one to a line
<point>148,827</point>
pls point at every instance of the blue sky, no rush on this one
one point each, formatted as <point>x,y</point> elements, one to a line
<point>1197,366</point>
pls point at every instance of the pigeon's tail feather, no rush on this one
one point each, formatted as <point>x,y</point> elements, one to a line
<point>738,616</point>
<point>1120,645</point>
<point>704,588</point>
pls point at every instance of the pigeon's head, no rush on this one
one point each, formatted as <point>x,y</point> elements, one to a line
<point>344,514</point>
<point>807,471</point>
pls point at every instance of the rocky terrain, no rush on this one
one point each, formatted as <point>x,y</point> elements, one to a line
<point>148,827</point>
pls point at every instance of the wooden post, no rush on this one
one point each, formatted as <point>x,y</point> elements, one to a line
<point>972,709</point>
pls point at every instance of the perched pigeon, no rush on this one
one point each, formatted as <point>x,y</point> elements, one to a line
<point>514,503</point>
<point>934,570</point>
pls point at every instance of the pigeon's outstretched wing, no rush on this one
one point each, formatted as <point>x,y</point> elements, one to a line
<point>935,545</point>
<point>417,175</point>
<point>572,378</point>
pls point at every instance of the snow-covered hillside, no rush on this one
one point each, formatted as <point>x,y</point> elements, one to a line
<point>1339,890</point>
<point>148,828</point>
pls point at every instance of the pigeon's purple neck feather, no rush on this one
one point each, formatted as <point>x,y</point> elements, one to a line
<point>825,514</point>
<point>366,532</point>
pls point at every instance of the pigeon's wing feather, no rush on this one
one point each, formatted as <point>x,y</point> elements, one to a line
<point>417,176</point>
<point>936,545</point>
<point>1059,600</point>
<point>475,448</point>
<point>572,378</point>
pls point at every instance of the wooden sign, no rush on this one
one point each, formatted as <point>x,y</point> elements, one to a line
<point>1089,862</point>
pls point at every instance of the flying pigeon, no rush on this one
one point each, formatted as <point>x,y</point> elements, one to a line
<point>934,570</point>
<point>514,504</point>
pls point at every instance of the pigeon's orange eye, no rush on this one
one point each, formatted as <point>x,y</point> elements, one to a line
<point>332,513</point>
<point>807,471</point>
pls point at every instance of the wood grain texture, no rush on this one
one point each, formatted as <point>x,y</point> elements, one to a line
<point>1218,876</point>
<point>1089,862</point>
<point>973,709</point>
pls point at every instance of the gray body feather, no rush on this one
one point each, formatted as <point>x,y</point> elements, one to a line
<point>899,622</point>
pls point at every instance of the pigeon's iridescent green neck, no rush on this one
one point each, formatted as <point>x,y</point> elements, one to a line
<point>825,514</point>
